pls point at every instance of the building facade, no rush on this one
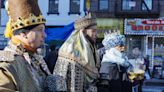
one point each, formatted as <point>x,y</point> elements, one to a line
<point>3,41</point>
<point>127,8</point>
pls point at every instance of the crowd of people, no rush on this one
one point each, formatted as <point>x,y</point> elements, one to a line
<point>76,67</point>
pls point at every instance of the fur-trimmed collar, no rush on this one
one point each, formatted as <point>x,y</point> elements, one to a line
<point>114,56</point>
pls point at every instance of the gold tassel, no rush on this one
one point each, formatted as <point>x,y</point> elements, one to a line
<point>8,31</point>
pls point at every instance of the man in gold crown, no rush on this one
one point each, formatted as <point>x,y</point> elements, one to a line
<point>77,65</point>
<point>21,68</point>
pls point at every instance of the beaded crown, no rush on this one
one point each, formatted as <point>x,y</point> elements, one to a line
<point>112,39</point>
<point>86,21</point>
<point>22,13</point>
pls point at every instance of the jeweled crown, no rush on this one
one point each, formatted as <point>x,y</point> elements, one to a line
<point>85,22</point>
<point>22,13</point>
<point>32,20</point>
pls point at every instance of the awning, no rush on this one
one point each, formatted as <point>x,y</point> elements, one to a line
<point>60,33</point>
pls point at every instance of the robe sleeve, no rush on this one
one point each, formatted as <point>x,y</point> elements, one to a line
<point>6,82</point>
<point>60,73</point>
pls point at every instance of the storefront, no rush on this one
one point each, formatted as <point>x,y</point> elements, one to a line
<point>148,36</point>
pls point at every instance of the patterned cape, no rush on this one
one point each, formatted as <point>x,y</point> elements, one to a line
<point>77,49</point>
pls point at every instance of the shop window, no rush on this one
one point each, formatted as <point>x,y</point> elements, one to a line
<point>149,48</point>
<point>2,3</point>
<point>158,50</point>
<point>103,4</point>
<point>147,4</point>
<point>53,7</point>
<point>128,4</point>
<point>74,7</point>
<point>150,40</point>
<point>158,69</point>
<point>135,42</point>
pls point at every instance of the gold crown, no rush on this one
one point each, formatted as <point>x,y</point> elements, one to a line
<point>31,20</point>
<point>22,13</point>
<point>84,23</point>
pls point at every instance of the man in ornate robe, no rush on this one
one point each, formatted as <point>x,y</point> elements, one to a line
<point>21,68</point>
<point>76,69</point>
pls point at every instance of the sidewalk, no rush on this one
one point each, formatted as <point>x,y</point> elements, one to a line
<point>153,85</point>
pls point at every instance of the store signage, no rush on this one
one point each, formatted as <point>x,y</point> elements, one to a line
<point>144,26</point>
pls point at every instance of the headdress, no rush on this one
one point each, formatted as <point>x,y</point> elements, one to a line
<point>22,13</point>
<point>113,39</point>
<point>85,22</point>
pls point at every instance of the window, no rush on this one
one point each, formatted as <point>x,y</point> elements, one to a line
<point>103,4</point>
<point>53,7</point>
<point>2,3</point>
<point>74,7</point>
<point>147,4</point>
<point>128,4</point>
<point>135,41</point>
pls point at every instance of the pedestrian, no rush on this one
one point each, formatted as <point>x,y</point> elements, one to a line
<point>139,65</point>
<point>21,68</point>
<point>76,68</point>
<point>114,65</point>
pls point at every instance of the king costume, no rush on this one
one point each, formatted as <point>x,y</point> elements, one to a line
<point>76,68</point>
<point>22,69</point>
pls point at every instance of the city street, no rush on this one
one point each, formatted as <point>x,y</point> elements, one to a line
<point>153,85</point>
